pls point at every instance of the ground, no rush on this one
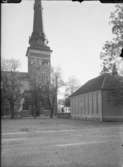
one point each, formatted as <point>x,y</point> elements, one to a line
<point>45,142</point>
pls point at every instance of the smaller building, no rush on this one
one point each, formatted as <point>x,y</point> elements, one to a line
<point>100,98</point>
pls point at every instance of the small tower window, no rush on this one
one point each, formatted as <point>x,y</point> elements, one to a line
<point>45,62</point>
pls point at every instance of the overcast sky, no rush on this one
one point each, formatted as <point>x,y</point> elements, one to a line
<point>76,33</point>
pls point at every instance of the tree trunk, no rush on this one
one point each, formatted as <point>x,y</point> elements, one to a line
<point>55,106</point>
<point>33,110</point>
<point>37,113</point>
<point>12,110</point>
<point>51,112</point>
<point>3,107</point>
<point>37,108</point>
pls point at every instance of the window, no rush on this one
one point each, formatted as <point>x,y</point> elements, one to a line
<point>45,62</point>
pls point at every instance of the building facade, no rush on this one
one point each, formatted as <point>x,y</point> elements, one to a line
<point>38,53</point>
<point>98,99</point>
<point>39,61</point>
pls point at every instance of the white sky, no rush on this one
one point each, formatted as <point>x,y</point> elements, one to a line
<point>76,33</point>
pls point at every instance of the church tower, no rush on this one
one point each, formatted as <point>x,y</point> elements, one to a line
<point>38,52</point>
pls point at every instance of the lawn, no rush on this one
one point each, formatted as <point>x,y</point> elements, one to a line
<point>45,142</point>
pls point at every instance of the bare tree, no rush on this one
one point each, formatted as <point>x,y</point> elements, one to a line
<point>10,65</point>
<point>38,90</point>
<point>56,82</point>
<point>36,94</point>
<point>71,86</point>
<point>10,84</point>
<point>50,91</point>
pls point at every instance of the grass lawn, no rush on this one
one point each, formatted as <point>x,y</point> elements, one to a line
<point>44,142</point>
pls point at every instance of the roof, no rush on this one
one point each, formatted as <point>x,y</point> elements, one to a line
<point>102,82</point>
<point>20,75</point>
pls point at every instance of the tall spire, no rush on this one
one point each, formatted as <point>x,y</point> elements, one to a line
<point>37,39</point>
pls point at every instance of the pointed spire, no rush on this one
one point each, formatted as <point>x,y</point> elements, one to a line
<point>37,39</point>
<point>38,22</point>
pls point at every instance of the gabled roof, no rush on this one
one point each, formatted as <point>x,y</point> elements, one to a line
<point>103,82</point>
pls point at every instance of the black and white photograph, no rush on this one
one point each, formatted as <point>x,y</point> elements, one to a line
<point>62,83</point>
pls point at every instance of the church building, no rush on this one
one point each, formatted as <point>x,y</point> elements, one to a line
<point>38,55</point>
